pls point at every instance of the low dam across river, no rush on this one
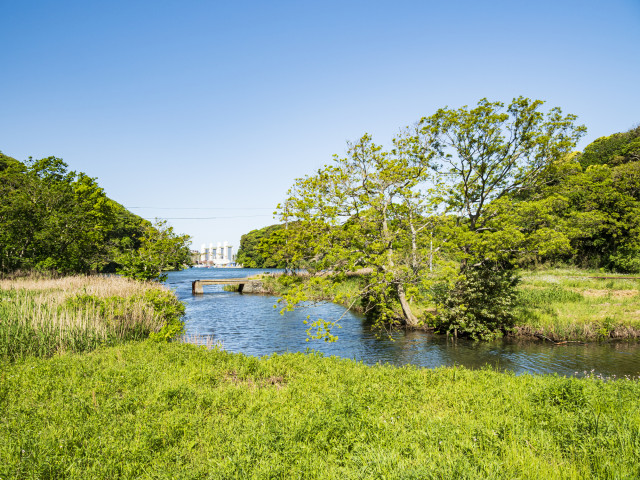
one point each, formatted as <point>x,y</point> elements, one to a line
<point>246,285</point>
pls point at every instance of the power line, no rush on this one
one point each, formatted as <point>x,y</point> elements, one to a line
<point>204,208</point>
<point>208,218</point>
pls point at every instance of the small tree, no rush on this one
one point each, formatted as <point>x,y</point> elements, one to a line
<point>362,212</point>
<point>160,250</point>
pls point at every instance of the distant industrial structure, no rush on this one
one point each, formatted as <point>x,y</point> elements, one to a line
<point>219,256</point>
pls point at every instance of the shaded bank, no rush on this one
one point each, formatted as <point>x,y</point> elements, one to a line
<point>554,304</point>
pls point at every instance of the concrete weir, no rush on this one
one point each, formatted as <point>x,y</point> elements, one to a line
<point>196,285</point>
<point>245,285</point>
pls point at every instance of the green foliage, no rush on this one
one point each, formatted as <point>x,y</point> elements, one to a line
<point>52,219</point>
<point>616,149</point>
<point>626,258</point>
<point>481,303</point>
<point>171,310</point>
<point>160,250</point>
<point>491,151</point>
<point>365,212</point>
<point>255,251</point>
<point>442,194</point>
<point>148,410</point>
<point>55,220</point>
<point>591,215</point>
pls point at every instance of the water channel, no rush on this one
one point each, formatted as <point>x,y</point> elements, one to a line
<point>251,325</point>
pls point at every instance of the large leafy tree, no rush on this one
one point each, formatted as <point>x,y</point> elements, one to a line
<point>492,152</point>
<point>456,170</point>
<point>487,155</point>
<point>361,213</point>
<point>56,220</point>
<point>53,219</point>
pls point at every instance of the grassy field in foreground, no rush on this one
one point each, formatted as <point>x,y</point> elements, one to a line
<point>43,316</point>
<point>565,304</point>
<point>158,410</point>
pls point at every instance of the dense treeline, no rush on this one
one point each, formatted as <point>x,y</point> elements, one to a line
<point>56,220</point>
<point>593,199</point>
<point>252,252</point>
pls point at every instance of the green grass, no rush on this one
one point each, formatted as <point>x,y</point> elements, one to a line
<point>565,304</point>
<point>145,409</point>
<point>154,410</point>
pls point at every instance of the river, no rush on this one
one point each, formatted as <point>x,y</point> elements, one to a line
<point>251,325</point>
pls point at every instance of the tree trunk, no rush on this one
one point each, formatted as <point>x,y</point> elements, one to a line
<point>409,318</point>
<point>414,245</point>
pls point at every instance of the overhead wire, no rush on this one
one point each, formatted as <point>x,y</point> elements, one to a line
<point>206,208</point>
<point>203,208</point>
<point>208,218</point>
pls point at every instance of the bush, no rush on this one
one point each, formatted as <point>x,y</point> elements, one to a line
<point>626,259</point>
<point>481,304</point>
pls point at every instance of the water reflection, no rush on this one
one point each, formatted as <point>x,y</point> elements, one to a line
<point>250,324</point>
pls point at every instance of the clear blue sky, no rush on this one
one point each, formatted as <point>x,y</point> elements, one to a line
<point>221,105</point>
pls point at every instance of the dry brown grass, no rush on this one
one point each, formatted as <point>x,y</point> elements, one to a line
<point>78,313</point>
<point>50,302</point>
<point>604,293</point>
<point>99,286</point>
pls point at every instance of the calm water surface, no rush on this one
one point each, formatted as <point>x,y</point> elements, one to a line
<point>251,325</point>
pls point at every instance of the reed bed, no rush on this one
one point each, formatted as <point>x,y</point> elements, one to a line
<point>45,316</point>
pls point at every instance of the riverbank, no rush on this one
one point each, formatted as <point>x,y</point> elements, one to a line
<point>570,304</point>
<point>46,316</point>
<point>555,305</point>
<point>148,409</point>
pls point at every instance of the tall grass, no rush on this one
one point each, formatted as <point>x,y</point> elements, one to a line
<point>43,317</point>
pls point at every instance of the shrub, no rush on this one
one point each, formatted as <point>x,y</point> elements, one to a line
<point>481,304</point>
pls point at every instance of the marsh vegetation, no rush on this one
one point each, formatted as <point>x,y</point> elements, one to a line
<point>43,316</point>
